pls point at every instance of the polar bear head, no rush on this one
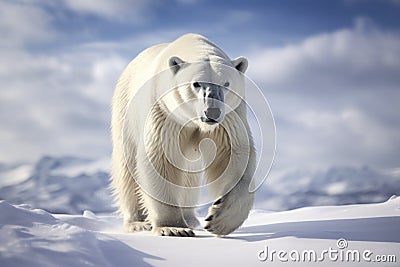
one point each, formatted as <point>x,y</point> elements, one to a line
<point>206,90</point>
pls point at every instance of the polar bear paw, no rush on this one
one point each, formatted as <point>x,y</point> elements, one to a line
<point>133,227</point>
<point>226,215</point>
<point>174,231</point>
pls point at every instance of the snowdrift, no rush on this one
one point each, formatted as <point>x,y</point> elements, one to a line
<point>351,235</point>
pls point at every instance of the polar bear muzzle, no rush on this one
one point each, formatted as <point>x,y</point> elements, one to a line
<point>212,98</point>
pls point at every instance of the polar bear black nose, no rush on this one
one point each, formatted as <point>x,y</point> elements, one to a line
<point>212,113</point>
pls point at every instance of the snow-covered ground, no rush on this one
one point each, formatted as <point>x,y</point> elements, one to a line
<point>352,235</point>
<point>58,212</point>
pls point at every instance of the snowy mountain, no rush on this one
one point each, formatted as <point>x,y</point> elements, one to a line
<point>72,185</point>
<point>58,184</point>
<point>335,186</point>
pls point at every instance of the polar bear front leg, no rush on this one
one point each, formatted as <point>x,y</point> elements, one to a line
<point>158,198</point>
<point>168,220</point>
<point>230,210</point>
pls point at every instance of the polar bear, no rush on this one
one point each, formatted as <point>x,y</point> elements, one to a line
<point>178,116</point>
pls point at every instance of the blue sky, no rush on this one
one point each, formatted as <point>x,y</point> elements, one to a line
<point>257,21</point>
<point>330,70</point>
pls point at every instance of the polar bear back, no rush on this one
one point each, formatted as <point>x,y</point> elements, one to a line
<point>193,47</point>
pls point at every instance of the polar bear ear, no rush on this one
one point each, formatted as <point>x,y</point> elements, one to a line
<point>240,64</point>
<point>174,63</point>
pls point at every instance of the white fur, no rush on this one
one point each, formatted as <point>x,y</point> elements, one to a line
<point>146,146</point>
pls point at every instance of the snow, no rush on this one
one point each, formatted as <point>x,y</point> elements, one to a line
<point>58,212</point>
<point>33,237</point>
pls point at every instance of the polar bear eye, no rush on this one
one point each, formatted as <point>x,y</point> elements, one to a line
<point>196,85</point>
<point>226,84</point>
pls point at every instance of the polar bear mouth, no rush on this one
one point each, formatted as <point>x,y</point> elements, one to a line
<point>212,115</point>
<point>209,121</point>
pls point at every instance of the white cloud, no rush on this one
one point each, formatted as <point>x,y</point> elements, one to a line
<point>22,22</point>
<point>118,9</point>
<point>335,97</point>
<point>58,102</point>
<point>345,137</point>
<point>342,55</point>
